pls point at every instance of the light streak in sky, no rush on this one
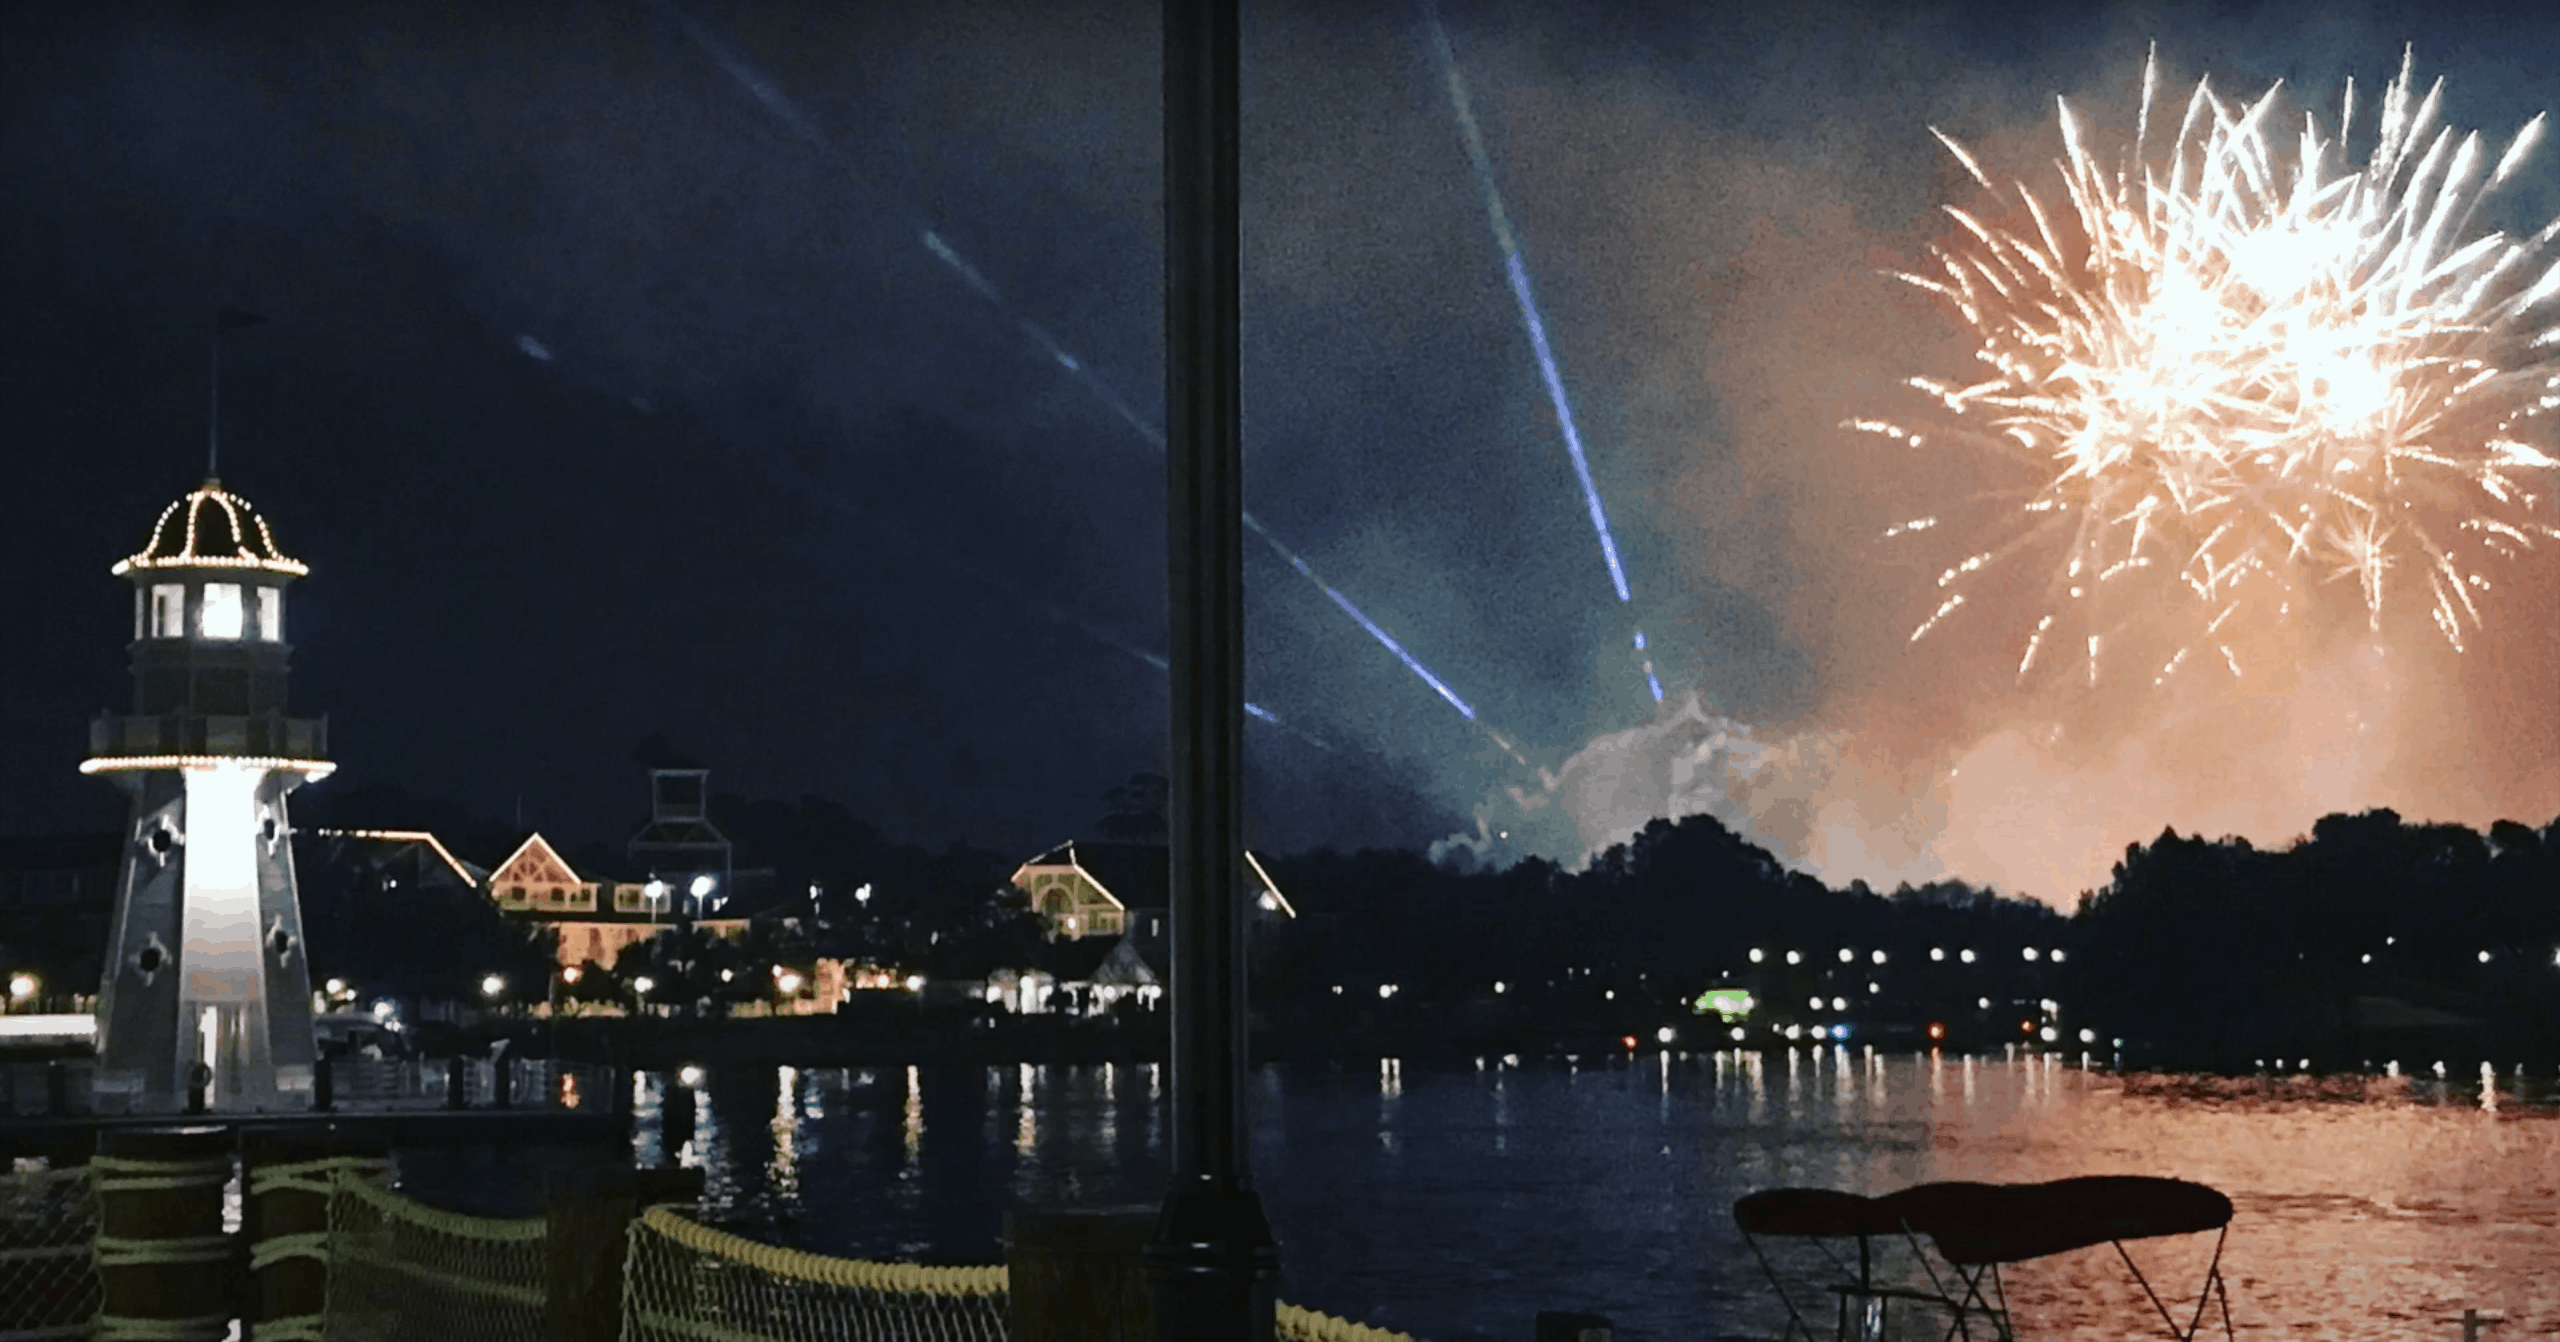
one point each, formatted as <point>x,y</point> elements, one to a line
<point>1516,267</point>
<point>780,105</point>
<point>2261,372</point>
<point>804,487</point>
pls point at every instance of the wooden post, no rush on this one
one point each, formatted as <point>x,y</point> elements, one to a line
<point>165,1266</point>
<point>1078,1274</point>
<point>675,1118</point>
<point>292,1282</point>
<point>589,1215</point>
<point>1561,1326</point>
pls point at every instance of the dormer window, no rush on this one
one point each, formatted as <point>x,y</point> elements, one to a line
<point>271,615</point>
<point>220,617</point>
<point>168,610</point>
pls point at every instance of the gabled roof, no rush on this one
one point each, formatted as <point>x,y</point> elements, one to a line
<point>1136,875</point>
<point>534,862</point>
<point>1074,961</point>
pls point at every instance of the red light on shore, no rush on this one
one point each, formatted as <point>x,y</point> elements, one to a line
<point>1628,1040</point>
<point>1937,1031</point>
<point>2026,1027</point>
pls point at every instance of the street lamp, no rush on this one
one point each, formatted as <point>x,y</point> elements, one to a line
<point>491,985</point>
<point>21,987</point>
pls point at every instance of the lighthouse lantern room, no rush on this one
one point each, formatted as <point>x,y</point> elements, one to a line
<point>206,998</point>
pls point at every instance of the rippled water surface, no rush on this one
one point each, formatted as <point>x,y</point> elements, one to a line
<point>1456,1202</point>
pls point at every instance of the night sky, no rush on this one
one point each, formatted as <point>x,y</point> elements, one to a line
<point>611,389</point>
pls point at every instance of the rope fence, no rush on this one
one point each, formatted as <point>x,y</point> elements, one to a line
<point>685,1282</point>
<point>399,1270</point>
<point>48,1287</point>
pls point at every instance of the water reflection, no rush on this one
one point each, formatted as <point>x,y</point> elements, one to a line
<point>782,1172</point>
<point>1389,1211</point>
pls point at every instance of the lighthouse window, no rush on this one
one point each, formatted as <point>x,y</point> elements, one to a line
<point>168,611</point>
<point>271,615</point>
<point>221,618</point>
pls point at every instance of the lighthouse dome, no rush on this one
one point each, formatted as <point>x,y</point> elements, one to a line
<point>211,527</point>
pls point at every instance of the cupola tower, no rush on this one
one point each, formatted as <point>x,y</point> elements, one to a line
<point>206,989</point>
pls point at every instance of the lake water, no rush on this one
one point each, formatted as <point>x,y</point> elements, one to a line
<point>1456,1202</point>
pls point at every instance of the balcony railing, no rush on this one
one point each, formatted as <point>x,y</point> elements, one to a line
<point>262,735</point>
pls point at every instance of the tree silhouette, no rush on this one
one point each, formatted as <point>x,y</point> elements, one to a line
<point>1138,811</point>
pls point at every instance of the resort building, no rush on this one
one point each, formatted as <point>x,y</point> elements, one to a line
<point>1087,889</point>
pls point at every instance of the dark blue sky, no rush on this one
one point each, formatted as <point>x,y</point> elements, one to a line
<point>602,400</point>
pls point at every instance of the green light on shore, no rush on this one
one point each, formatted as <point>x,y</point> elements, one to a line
<point>1731,1003</point>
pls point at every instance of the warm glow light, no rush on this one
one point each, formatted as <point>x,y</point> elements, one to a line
<point>2029,952</point>
<point>789,983</point>
<point>702,886</point>
<point>311,769</point>
<point>1878,957</point>
<point>1737,1034</point>
<point>689,1075</point>
<point>915,983</point>
<point>336,986</point>
<point>1937,952</point>
<point>2057,955</point>
<point>1795,958</point>
<point>1937,1031</point>
<point>66,1026</point>
<point>492,985</point>
<point>569,975</point>
<point>1497,985</point>
<point>1756,955</point>
<point>1966,956</point>
<point>643,984</point>
<point>1664,1035</point>
<point>220,616</point>
<point>1629,1041</point>
<point>1839,1003</point>
<point>1846,956</point>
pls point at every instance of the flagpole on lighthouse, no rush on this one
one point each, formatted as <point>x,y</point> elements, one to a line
<point>225,321</point>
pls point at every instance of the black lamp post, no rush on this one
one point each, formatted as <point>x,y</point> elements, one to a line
<point>1213,1260</point>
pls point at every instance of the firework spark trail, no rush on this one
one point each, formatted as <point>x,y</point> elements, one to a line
<point>1515,266</point>
<point>2255,373</point>
<point>780,105</point>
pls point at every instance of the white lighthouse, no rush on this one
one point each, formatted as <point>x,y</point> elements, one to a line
<point>206,990</point>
